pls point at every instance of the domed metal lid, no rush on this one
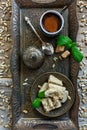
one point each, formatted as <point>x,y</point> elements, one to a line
<point>33,57</point>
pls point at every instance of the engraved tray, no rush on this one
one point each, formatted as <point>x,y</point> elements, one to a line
<point>23,37</point>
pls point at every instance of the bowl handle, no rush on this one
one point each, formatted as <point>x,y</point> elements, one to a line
<point>45,127</point>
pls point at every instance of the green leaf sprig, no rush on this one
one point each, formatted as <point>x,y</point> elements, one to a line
<point>41,94</point>
<point>70,45</point>
<point>37,102</point>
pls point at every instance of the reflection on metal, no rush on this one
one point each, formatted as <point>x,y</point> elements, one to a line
<point>43,1</point>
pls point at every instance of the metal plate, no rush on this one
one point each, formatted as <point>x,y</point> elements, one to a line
<point>67,83</point>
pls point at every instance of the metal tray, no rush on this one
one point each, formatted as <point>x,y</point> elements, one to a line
<point>23,37</point>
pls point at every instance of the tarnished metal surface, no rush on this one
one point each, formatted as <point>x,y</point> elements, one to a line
<point>38,124</point>
<point>28,38</point>
<point>29,3</point>
<point>24,38</point>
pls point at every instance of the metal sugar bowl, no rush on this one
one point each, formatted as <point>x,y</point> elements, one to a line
<point>33,57</point>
